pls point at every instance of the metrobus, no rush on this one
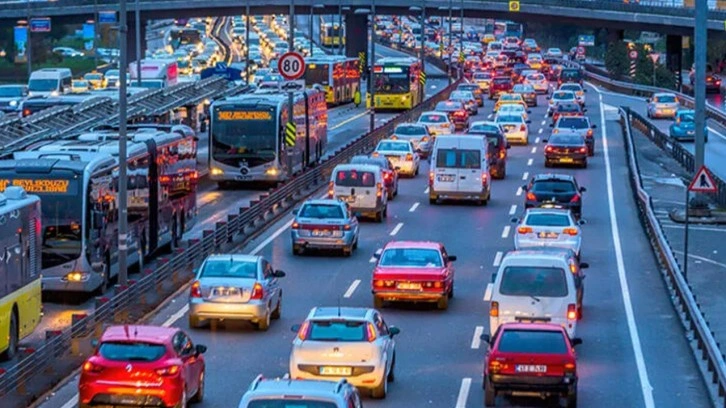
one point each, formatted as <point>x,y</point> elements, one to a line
<point>339,76</point>
<point>77,181</point>
<point>20,285</point>
<point>246,142</point>
<point>396,83</point>
<point>331,34</point>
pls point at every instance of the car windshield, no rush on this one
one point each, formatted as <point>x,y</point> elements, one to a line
<point>131,351</point>
<point>533,281</point>
<point>665,99</point>
<point>82,84</point>
<point>448,106</point>
<point>572,123</point>
<point>522,88</point>
<point>509,119</point>
<point>327,330</point>
<point>434,118</point>
<point>391,146</point>
<point>687,117</point>
<point>229,268</point>
<point>408,130</point>
<point>512,108</point>
<point>509,98</point>
<point>468,88</point>
<point>548,220</point>
<point>532,341</point>
<point>461,95</point>
<point>289,403</point>
<point>326,211</point>
<point>354,178</point>
<point>411,257</point>
<point>11,91</point>
<point>482,76</point>
<point>567,140</point>
<point>553,186</point>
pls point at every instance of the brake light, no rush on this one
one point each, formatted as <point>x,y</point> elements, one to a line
<point>425,139</point>
<point>370,332</point>
<point>524,230</point>
<point>431,178</point>
<point>589,133</point>
<point>575,198</point>
<point>168,371</point>
<point>379,190</point>
<point>570,231</point>
<point>523,128</point>
<point>375,154</point>
<point>583,150</point>
<point>394,137</point>
<point>331,189</point>
<point>302,333</point>
<point>346,227</point>
<point>573,267</point>
<point>502,154</point>
<point>258,292</point>
<point>387,176</point>
<point>89,367</point>
<point>494,366</point>
<point>459,114</point>
<point>164,179</point>
<point>548,149</point>
<point>409,157</point>
<point>494,309</point>
<point>484,179</point>
<point>571,312</point>
<point>295,225</point>
<point>570,368</point>
<point>531,196</point>
<point>195,290</point>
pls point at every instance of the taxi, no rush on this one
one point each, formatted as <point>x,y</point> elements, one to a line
<point>483,79</point>
<point>538,81</point>
<point>509,99</point>
<point>534,61</point>
<point>488,38</point>
<point>80,86</point>
<point>96,79</point>
<point>513,109</point>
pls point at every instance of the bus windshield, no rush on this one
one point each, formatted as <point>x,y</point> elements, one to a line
<point>390,82</point>
<point>244,134</point>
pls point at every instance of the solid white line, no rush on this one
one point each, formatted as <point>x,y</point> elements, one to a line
<point>536,140</point>
<point>525,176</point>
<point>712,130</point>
<point>540,131</point>
<point>176,316</point>
<point>519,191</point>
<point>513,209</point>
<point>414,207</point>
<point>476,340</point>
<point>269,239</point>
<point>534,150</point>
<point>463,393</point>
<point>645,387</point>
<point>396,229</point>
<point>426,191</point>
<point>690,227</point>
<point>498,258</point>
<point>72,403</point>
<point>352,288</point>
<point>529,162</point>
<point>702,259</point>
<point>505,231</point>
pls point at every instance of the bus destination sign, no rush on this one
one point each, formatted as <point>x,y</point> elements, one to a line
<point>40,186</point>
<point>244,115</point>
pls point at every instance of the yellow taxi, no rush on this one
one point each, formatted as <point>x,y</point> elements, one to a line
<point>488,38</point>
<point>509,99</point>
<point>96,79</point>
<point>80,86</point>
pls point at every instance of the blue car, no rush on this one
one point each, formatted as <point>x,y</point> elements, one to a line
<point>324,224</point>
<point>683,127</point>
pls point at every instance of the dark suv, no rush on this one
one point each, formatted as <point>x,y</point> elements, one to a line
<point>569,75</point>
<point>554,191</point>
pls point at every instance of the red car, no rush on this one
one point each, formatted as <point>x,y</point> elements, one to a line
<point>456,111</point>
<point>500,85</point>
<point>413,271</point>
<point>567,110</point>
<point>533,358</point>
<point>143,366</point>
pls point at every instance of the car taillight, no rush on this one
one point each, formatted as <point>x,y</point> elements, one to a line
<point>484,179</point>
<point>583,150</point>
<point>589,133</point>
<point>331,189</point>
<point>494,309</point>
<point>195,290</point>
<point>370,332</point>
<point>431,178</point>
<point>387,176</point>
<point>531,197</point>
<point>258,292</point>
<point>168,371</point>
<point>26,112</point>
<point>379,190</point>
<point>548,149</point>
<point>425,139</point>
<point>394,137</point>
<point>570,231</point>
<point>89,367</point>
<point>375,154</point>
<point>523,128</point>
<point>295,225</point>
<point>459,114</point>
<point>571,312</point>
<point>570,368</point>
<point>524,230</point>
<point>409,157</point>
<point>555,131</point>
<point>495,366</point>
<point>302,333</point>
<point>575,198</point>
<point>502,154</point>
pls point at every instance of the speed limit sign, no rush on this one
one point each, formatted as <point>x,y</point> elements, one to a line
<point>291,66</point>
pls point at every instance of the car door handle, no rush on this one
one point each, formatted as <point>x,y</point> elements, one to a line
<point>462,177</point>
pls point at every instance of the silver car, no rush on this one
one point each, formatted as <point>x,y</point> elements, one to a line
<point>416,133</point>
<point>235,287</point>
<point>351,343</point>
<point>438,123</point>
<point>663,105</point>
<point>548,227</point>
<point>324,224</point>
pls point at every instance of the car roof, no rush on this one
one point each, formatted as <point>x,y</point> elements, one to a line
<point>323,201</point>
<point>664,94</point>
<point>413,244</point>
<point>361,159</point>
<point>533,327</point>
<point>532,254</point>
<point>143,333</point>
<point>267,387</point>
<point>433,113</point>
<point>553,176</point>
<point>345,312</point>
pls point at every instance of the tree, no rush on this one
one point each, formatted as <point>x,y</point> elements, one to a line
<point>616,59</point>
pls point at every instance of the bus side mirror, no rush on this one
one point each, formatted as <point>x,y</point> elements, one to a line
<point>98,220</point>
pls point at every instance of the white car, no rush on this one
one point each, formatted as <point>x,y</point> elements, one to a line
<point>512,109</point>
<point>67,52</point>
<point>663,105</point>
<point>349,343</point>
<point>560,97</point>
<point>554,53</point>
<point>539,82</point>
<point>437,122</point>
<point>401,153</point>
<point>515,127</point>
<point>548,227</point>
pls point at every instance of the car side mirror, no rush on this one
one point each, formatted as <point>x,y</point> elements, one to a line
<point>545,140</point>
<point>547,97</point>
<point>576,341</point>
<point>552,124</point>
<point>295,328</point>
<point>524,187</point>
<point>584,265</point>
<point>594,126</point>
<point>200,349</point>
<point>485,338</point>
<point>377,255</point>
<point>278,274</point>
<point>583,189</point>
<point>581,222</point>
<point>584,90</point>
<point>451,258</point>
<point>394,331</point>
<point>295,211</point>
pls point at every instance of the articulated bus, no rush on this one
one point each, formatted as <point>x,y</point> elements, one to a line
<point>77,181</point>
<point>20,285</point>
<point>339,76</point>
<point>396,84</point>
<point>248,132</point>
<point>331,34</point>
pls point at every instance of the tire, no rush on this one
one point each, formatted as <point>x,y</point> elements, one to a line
<point>194,322</point>
<point>572,400</point>
<point>432,201</point>
<point>380,391</point>
<point>490,394</point>
<point>443,303</point>
<point>391,374</point>
<point>355,244</point>
<point>12,349</point>
<point>298,250</point>
<point>199,395</point>
<point>451,292</point>
<point>379,216</point>
<point>264,324</point>
<point>416,173</point>
<point>347,252</point>
<point>584,164</point>
<point>547,164</point>
<point>277,313</point>
<point>377,302</point>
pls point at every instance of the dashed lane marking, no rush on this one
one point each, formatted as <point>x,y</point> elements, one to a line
<point>513,209</point>
<point>529,162</point>
<point>534,150</point>
<point>414,207</point>
<point>351,288</point>
<point>463,393</point>
<point>519,191</point>
<point>505,231</point>
<point>396,229</point>
<point>476,340</point>
<point>525,176</point>
<point>498,258</point>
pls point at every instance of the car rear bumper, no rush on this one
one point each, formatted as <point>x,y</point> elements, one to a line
<point>566,158</point>
<point>364,211</point>
<point>530,383</point>
<point>575,208</point>
<point>458,195</point>
<point>254,310</point>
<point>661,113</point>
<point>408,296</point>
<point>126,394</point>
<point>371,376</point>
<point>323,242</point>
<point>518,136</point>
<point>521,243</point>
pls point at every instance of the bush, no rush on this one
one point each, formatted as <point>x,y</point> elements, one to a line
<point>616,59</point>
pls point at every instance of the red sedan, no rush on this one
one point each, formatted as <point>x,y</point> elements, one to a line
<point>413,271</point>
<point>143,365</point>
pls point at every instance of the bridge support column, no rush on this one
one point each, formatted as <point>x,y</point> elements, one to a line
<point>674,57</point>
<point>131,43</point>
<point>615,35</point>
<point>356,36</point>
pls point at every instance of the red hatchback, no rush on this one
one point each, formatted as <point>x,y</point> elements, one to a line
<point>143,366</point>
<point>413,271</point>
<point>530,358</point>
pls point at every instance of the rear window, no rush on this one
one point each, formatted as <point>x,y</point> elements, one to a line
<point>354,178</point>
<point>533,281</point>
<point>482,76</point>
<point>484,129</point>
<point>393,146</point>
<point>665,99</point>
<point>572,123</point>
<point>131,351</point>
<point>410,130</point>
<point>321,211</point>
<point>567,140</point>
<point>458,159</point>
<point>229,269</point>
<point>687,117</point>
<point>411,257</point>
<point>327,330</point>
<point>532,341</point>
<point>461,95</point>
<point>553,186</point>
<point>502,81</point>
<point>548,220</point>
<point>448,106</point>
<point>434,118</point>
<point>469,88</point>
<point>563,95</point>
<point>568,107</point>
<point>290,403</point>
<point>509,119</point>
<point>570,74</point>
<point>535,77</point>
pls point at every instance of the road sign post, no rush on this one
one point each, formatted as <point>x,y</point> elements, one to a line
<point>702,183</point>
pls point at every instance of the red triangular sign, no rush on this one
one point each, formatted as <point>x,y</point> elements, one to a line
<point>703,182</point>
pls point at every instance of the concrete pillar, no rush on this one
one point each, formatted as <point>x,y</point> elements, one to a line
<point>615,35</point>
<point>674,57</point>
<point>131,43</point>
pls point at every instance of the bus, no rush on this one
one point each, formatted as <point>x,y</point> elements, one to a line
<point>339,76</point>
<point>246,142</point>
<point>396,84</point>
<point>20,285</point>
<point>77,181</point>
<point>331,34</point>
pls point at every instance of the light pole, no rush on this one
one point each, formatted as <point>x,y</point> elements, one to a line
<point>313,7</point>
<point>137,21</point>
<point>29,45</point>
<point>422,54</point>
<point>95,33</point>
<point>247,42</point>
<point>370,85</point>
<point>339,46</point>
<point>290,95</point>
<point>449,49</point>
<point>122,178</point>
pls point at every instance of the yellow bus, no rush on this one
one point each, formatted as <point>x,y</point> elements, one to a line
<point>20,286</point>
<point>331,34</point>
<point>396,83</point>
<point>338,75</point>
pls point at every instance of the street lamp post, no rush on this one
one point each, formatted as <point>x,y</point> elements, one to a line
<point>339,46</point>
<point>137,21</point>
<point>247,42</point>
<point>461,37</point>
<point>371,63</point>
<point>422,53</point>
<point>29,45</point>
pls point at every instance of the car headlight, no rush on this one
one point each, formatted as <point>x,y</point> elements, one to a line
<point>13,103</point>
<point>216,171</point>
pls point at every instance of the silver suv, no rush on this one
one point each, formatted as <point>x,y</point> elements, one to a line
<point>286,393</point>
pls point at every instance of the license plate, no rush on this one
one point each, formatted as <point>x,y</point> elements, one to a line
<point>338,371</point>
<point>409,286</point>
<point>348,199</point>
<point>566,160</point>
<point>225,292</point>
<point>242,178</point>
<point>445,178</point>
<point>548,235</point>
<point>322,233</point>
<point>526,368</point>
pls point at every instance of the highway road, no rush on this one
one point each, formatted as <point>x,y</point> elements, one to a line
<point>634,354</point>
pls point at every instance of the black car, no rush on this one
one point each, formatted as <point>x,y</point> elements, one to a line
<point>390,175</point>
<point>569,75</point>
<point>498,146</point>
<point>554,190</point>
<point>565,149</point>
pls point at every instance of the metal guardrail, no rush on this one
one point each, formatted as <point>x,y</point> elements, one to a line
<point>682,294</point>
<point>63,351</point>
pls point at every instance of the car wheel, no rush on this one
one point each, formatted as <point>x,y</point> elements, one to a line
<point>297,250</point>
<point>584,164</point>
<point>347,251</point>
<point>264,323</point>
<point>12,349</point>
<point>390,195</point>
<point>194,322</point>
<point>443,303</point>
<point>199,396</point>
<point>385,211</point>
<point>355,243</point>
<point>391,374</point>
<point>416,173</point>
<point>572,400</point>
<point>380,391</point>
<point>432,201</point>
<point>451,292</point>
<point>377,302</point>
<point>277,313</point>
<point>490,394</point>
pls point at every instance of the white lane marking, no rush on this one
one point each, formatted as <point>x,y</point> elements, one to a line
<point>269,239</point>
<point>534,150</point>
<point>71,402</point>
<point>540,131</point>
<point>702,259</point>
<point>712,130</point>
<point>396,229</point>
<point>489,116</point>
<point>536,140</point>
<point>352,288</point>
<point>519,191</point>
<point>414,207</point>
<point>645,387</point>
<point>529,162</point>
<point>513,209</point>
<point>525,175</point>
<point>498,258</point>
<point>352,118</point>
<point>176,316</point>
<point>544,122</point>
<point>426,191</point>
<point>476,340</point>
<point>463,393</point>
<point>505,231</point>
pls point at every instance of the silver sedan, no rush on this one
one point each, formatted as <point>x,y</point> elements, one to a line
<point>547,227</point>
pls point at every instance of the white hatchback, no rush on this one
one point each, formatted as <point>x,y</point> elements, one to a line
<point>401,153</point>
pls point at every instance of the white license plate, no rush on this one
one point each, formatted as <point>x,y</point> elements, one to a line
<point>348,199</point>
<point>242,178</point>
<point>547,235</point>
<point>526,368</point>
<point>445,178</point>
<point>225,292</point>
<point>322,233</point>
<point>338,371</point>
<point>409,286</point>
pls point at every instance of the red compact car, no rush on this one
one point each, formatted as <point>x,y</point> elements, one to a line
<point>500,85</point>
<point>534,358</point>
<point>413,271</point>
<point>143,366</point>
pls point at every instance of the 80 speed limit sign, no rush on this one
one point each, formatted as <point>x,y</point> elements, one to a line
<point>291,66</point>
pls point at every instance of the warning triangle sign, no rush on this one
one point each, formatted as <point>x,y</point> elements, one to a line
<point>703,182</point>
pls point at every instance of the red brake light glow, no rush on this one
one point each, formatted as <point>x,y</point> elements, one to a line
<point>258,292</point>
<point>524,230</point>
<point>531,196</point>
<point>571,312</point>
<point>370,332</point>
<point>195,290</point>
<point>575,198</point>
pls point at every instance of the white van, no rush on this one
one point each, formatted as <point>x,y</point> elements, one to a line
<point>50,82</point>
<point>460,169</point>
<point>534,286</point>
<point>362,187</point>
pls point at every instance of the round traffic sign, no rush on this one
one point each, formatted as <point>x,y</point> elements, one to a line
<point>633,54</point>
<point>581,50</point>
<point>291,66</point>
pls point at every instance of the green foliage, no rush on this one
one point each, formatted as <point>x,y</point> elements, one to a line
<point>616,59</point>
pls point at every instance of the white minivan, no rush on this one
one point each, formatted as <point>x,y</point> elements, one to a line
<point>50,82</point>
<point>362,187</point>
<point>533,286</point>
<point>460,169</point>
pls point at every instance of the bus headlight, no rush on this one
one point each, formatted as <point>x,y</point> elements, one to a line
<point>76,276</point>
<point>272,171</point>
<point>216,171</point>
